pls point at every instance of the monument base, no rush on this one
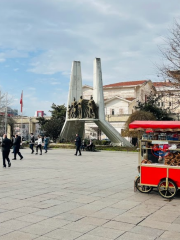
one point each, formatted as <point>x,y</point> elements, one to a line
<point>75,125</point>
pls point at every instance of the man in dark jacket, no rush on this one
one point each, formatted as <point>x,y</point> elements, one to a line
<point>17,144</point>
<point>12,140</point>
<point>6,146</point>
<point>32,140</point>
<point>78,145</point>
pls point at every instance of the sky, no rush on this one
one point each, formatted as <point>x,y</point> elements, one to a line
<point>39,39</point>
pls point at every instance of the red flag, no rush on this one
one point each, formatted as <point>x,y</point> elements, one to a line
<point>21,101</point>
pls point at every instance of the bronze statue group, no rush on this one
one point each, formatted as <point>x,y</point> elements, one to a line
<point>82,109</point>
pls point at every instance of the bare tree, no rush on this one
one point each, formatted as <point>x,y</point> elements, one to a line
<point>170,68</point>
<point>169,71</point>
<point>5,101</point>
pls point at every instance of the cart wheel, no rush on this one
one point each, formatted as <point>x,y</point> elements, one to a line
<point>142,188</point>
<point>170,192</point>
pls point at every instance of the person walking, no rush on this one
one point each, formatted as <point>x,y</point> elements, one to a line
<point>13,140</point>
<point>83,145</point>
<point>6,146</point>
<point>90,146</point>
<point>17,143</point>
<point>39,145</point>
<point>45,143</point>
<point>31,145</point>
<point>78,145</point>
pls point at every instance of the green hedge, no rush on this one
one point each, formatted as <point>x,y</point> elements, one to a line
<point>61,145</point>
<point>98,147</point>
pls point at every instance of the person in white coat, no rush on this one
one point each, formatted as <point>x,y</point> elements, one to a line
<point>39,145</point>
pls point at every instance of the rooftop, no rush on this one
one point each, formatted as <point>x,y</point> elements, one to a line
<point>163,84</point>
<point>121,84</point>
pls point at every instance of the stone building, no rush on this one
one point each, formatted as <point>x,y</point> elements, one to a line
<point>170,95</point>
<point>119,100</point>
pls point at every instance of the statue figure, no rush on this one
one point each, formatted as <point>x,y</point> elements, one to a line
<point>91,108</point>
<point>80,107</point>
<point>69,112</point>
<point>74,109</point>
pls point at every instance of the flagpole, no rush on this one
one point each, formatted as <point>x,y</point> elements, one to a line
<point>21,114</point>
<point>21,125</point>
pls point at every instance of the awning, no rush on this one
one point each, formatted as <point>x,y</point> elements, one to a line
<point>171,126</point>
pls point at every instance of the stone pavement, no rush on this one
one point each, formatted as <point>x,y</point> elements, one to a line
<point>62,196</point>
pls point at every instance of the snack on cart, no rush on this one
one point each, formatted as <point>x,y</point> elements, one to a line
<point>159,157</point>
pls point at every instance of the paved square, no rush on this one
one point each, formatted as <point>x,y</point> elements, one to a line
<point>62,196</point>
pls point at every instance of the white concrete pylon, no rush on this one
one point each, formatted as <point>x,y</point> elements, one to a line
<point>75,91</point>
<point>98,97</point>
<point>75,85</point>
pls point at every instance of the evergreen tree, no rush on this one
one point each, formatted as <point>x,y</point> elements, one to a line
<point>53,126</point>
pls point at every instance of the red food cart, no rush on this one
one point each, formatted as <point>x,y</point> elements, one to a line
<point>159,157</point>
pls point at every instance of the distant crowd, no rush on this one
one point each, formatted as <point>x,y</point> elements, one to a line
<point>42,142</point>
<point>15,144</point>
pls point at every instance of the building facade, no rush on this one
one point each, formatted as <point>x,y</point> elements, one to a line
<point>119,100</point>
<point>169,97</point>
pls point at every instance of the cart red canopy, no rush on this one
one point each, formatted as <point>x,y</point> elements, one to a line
<point>155,125</point>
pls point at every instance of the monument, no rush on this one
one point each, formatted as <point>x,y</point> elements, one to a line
<point>82,110</point>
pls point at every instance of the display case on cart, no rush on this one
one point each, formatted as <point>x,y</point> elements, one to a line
<point>159,157</point>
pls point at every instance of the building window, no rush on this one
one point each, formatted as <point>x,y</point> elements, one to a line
<point>112,111</point>
<point>162,104</point>
<point>158,104</point>
<point>170,104</point>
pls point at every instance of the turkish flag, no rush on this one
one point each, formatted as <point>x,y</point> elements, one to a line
<point>21,101</point>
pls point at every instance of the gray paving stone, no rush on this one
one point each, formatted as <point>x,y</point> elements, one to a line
<point>106,232</point>
<point>32,218</point>
<point>14,224</point>
<point>4,231</point>
<point>108,213</point>
<point>119,225</point>
<point>55,222</point>
<point>38,229</point>
<point>135,236</point>
<point>170,235</point>
<point>128,218</point>
<point>44,238</point>
<point>5,216</point>
<point>152,232</point>
<point>92,237</point>
<point>26,210</point>
<point>93,221</point>
<point>63,234</point>
<point>126,204</point>
<point>17,235</point>
<point>86,199</point>
<point>79,227</point>
<point>58,196</point>
<point>69,217</point>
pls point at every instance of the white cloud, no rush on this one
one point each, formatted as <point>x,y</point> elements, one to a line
<point>2,59</point>
<point>50,34</point>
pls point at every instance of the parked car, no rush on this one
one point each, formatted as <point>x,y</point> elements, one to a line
<point>107,141</point>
